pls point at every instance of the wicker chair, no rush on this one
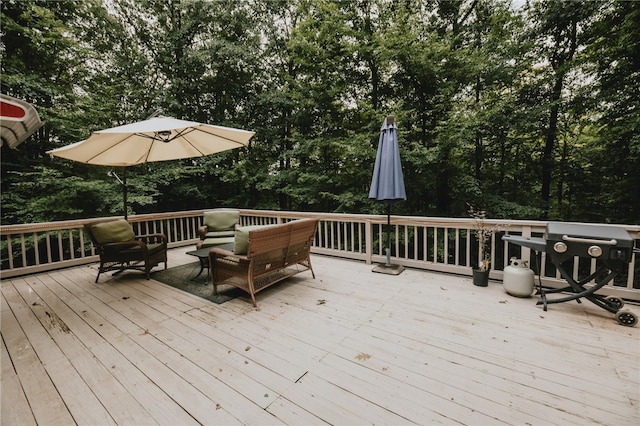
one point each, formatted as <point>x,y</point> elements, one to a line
<point>119,248</point>
<point>218,227</point>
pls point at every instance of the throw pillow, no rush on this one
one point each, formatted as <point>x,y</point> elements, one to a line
<point>241,241</point>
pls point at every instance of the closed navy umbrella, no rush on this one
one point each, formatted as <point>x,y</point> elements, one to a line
<point>387,183</point>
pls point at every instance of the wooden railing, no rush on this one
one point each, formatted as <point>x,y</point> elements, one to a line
<point>438,244</point>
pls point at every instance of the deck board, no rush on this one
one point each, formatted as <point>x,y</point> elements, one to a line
<point>14,404</point>
<point>350,347</point>
<point>54,389</point>
<point>97,334</point>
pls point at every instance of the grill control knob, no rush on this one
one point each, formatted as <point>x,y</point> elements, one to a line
<point>595,251</point>
<point>560,247</point>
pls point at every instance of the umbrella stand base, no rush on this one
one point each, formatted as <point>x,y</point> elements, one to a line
<point>389,269</point>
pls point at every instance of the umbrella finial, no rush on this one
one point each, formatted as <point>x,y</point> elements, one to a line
<point>390,119</point>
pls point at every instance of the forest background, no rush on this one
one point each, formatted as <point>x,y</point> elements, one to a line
<point>529,112</point>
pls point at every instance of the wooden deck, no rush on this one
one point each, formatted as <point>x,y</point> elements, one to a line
<point>348,348</point>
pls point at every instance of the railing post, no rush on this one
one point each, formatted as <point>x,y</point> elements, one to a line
<point>368,241</point>
<point>526,251</point>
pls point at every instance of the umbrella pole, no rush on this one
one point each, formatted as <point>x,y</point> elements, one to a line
<point>124,192</point>
<point>388,268</point>
<point>388,235</point>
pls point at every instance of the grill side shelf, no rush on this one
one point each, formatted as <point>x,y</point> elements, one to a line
<point>535,243</point>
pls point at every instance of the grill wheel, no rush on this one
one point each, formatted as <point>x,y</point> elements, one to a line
<point>615,302</point>
<point>627,318</point>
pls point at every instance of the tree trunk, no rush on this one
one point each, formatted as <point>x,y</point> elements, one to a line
<point>559,60</point>
<point>549,143</point>
<point>479,148</point>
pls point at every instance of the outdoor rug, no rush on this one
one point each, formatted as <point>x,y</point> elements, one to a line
<point>181,277</point>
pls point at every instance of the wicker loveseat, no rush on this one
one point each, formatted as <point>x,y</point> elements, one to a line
<point>264,255</point>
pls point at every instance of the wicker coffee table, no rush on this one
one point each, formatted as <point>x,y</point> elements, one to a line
<point>203,256</point>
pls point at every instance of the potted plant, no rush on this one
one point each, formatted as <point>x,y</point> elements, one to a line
<point>483,232</point>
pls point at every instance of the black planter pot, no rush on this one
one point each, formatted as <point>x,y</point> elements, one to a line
<point>480,278</point>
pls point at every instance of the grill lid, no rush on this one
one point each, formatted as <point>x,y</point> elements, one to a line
<point>559,231</point>
<point>565,240</point>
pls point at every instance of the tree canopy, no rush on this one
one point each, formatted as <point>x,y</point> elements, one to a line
<point>527,112</point>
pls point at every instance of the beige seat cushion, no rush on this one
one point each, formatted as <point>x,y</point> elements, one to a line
<point>212,242</point>
<point>219,234</point>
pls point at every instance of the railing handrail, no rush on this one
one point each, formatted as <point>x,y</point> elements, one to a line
<point>76,223</point>
<point>377,219</point>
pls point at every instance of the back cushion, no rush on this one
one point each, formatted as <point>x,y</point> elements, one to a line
<point>220,220</point>
<point>241,243</point>
<point>115,231</point>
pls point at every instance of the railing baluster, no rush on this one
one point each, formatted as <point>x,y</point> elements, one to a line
<point>9,251</point>
<point>72,254</point>
<point>445,258</point>
<point>435,245</point>
<point>457,247</point>
<point>24,251</point>
<point>36,248</point>
<point>425,248</point>
<point>468,248</point>
<point>630,272</point>
<point>60,248</point>
<point>82,244</point>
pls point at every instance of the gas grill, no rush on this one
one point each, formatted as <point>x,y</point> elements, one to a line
<point>611,246</point>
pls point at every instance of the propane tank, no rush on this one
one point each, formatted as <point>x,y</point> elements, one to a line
<point>518,278</point>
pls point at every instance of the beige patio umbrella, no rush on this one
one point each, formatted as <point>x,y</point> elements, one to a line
<point>155,139</point>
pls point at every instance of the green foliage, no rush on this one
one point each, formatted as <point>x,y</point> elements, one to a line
<point>471,85</point>
<point>44,194</point>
